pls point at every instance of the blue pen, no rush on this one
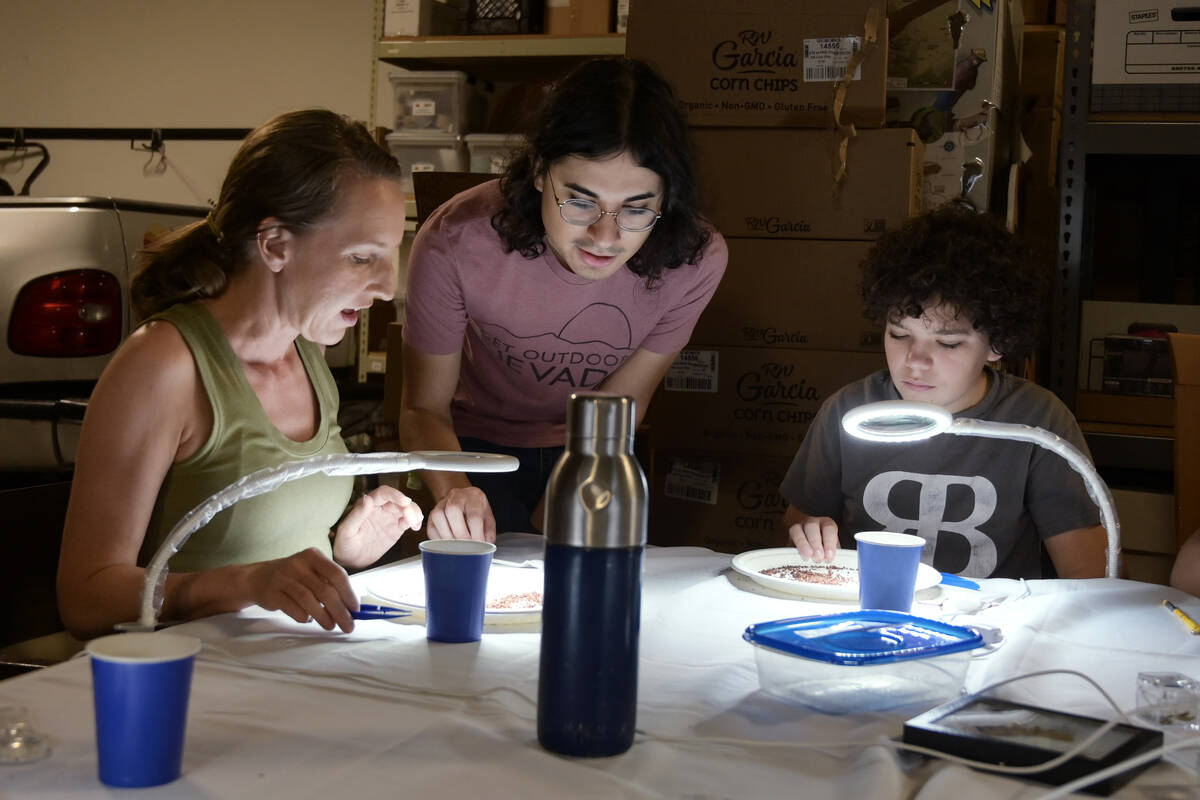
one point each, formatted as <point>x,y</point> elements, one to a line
<point>950,579</point>
<point>372,611</point>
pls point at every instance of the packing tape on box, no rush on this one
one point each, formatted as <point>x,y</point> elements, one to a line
<point>846,132</point>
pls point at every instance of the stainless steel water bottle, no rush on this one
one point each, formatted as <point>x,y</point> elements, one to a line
<point>595,539</point>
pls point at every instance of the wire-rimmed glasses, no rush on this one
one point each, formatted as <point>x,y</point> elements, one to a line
<point>578,211</point>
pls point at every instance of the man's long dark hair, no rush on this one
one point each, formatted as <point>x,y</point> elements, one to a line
<point>603,108</point>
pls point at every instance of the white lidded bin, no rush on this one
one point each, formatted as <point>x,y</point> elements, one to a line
<point>491,152</point>
<point>427,152</point>
<point>862,660</point>
<point>440,101</point>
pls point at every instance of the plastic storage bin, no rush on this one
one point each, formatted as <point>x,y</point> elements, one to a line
<point>862,660</point>
<point>438,101</point>
<point>427,152</point>
<point>504,16</point>
<point>491,152</point>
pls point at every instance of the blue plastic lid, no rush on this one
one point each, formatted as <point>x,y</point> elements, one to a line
<point>859,638</point>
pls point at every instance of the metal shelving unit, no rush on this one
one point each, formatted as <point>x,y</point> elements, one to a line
<point>496,59</point>
<point>499,58</point>
<point>1084,135</point>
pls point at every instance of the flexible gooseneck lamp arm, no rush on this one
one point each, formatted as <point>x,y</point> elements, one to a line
<point>265,480</point>
<point>904,421</point>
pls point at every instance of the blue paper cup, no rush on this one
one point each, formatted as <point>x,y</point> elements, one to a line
<point>456,575</point>
<point>887,569</point>
<point>140,686</point>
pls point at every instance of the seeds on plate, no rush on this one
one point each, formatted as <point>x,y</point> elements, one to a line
<point>827,574</point>
<point>517,600</point>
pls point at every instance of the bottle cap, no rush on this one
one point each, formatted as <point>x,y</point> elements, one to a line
<point>597,416</point>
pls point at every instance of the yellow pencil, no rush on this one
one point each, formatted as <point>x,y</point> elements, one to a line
<point>1191,624</point>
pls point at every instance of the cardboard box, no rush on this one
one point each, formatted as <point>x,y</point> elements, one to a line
<point>1042,58</point>
<point>785,293</point>
<point>578,17</point>
<point>1145,59</point>
<point>1146,567</point>
<point>726,502</point>
<point>1147,521</point>
<point>779,182</point>
<point>1185,356</point>
<point>969,117</point>
<point>764,63</point>
<point>749,399</point>
<point>1125,409</point>
<point>420,17</point>
<point>1140,41</point>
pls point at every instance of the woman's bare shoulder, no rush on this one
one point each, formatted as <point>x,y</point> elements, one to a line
<point>154,364</point>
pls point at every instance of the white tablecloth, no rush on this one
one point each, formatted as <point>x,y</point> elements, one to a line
<point>280,709</point>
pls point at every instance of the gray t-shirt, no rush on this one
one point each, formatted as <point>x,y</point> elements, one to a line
<point>981,504</point>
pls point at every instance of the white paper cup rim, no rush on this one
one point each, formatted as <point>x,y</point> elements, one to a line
<point>143,648</point>
<point>457,547</point>
<point>889,539</point>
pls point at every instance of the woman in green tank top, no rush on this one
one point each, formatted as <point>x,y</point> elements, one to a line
<point>227,376</point>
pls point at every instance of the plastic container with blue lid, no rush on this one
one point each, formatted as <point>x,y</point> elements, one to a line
<point>862,660</point>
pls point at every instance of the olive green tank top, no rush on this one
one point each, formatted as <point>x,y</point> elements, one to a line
<point>294,516</point>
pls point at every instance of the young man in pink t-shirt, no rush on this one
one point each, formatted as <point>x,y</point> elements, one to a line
<point>584,267</point>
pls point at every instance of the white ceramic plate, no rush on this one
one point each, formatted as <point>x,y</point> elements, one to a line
<point>752,562</point>
<point>407,588</point>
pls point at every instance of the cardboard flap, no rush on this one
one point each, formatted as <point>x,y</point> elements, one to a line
<point>1185,358</point>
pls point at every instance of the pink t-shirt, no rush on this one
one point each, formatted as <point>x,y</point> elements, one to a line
<point>530,331</point>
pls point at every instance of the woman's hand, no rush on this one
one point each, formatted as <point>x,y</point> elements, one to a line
<point>462,514</point>
<point>377,520</point>
<point>307,587</point>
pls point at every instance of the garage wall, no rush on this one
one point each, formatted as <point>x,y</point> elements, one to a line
<point>172,63</point>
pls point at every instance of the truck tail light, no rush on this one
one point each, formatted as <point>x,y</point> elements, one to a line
<point>74,313</point>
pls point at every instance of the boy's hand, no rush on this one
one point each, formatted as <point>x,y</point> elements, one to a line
<point>815,538</point>
<point>462,514</point>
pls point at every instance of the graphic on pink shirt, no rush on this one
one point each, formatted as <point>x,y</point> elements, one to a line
<point>573,356</point>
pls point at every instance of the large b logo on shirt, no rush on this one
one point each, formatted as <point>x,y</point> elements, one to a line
<point>931,513</point>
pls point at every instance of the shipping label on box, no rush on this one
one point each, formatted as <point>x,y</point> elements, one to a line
<point>692,480</point>
<point>779,182</point>
<point>764,401</point>
<point>789,293</point>
<point>726,502</point>
<point>693,371</point>
<point>765,62</point>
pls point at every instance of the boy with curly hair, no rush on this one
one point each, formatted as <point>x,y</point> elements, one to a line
<point>956,293</point>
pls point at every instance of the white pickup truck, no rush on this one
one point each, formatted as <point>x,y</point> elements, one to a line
<point>65,270</point>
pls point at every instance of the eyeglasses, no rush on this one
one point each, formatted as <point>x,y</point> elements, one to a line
<point>586,212</point>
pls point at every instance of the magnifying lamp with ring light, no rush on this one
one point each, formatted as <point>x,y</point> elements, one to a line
<point>264,480</point>
<point>907,421</point>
